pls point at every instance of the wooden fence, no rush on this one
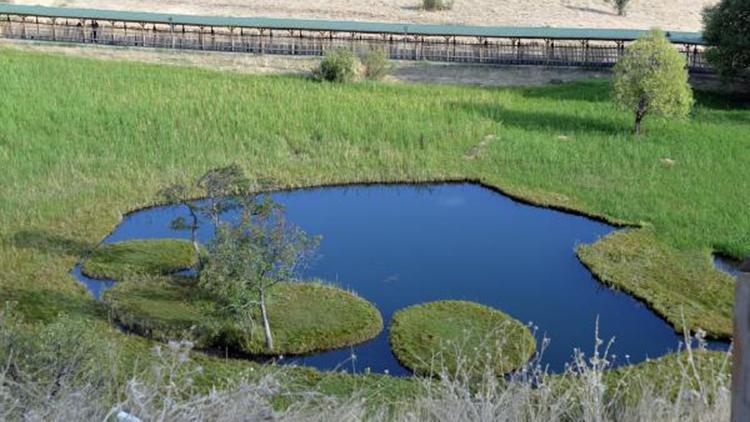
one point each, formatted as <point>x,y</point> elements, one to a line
<point>549,52</point>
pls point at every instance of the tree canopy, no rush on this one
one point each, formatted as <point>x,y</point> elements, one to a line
<point>652,78</point>
<point>727,29</point>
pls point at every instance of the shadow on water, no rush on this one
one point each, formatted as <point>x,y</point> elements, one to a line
<point>402,245</point>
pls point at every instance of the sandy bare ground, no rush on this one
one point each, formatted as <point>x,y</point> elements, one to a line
<point>401,71</point>
<point>675,15</point>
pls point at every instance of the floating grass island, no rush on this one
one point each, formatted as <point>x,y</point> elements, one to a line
<point>459,336</point>
<point>118,261</point>
<point>306,317</point>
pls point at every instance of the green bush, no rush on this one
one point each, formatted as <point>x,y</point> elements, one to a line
<point>621,6</point>
<point>338,65</point>
<point>437,4</point>
<point>375,64</point>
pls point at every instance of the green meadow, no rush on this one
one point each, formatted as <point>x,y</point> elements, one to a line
<point>83,141</point>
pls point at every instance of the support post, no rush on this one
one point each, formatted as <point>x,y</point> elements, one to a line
<point>171,33</point>
<point>741,348</point>
<point>54,31</point>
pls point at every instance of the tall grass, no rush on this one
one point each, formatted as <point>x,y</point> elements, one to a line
<point>73,385</point>
<point>83,141</point>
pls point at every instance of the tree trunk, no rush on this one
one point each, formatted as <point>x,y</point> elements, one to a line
<point>194,240</point>
<point>266,323</point>
<point>640,111</point>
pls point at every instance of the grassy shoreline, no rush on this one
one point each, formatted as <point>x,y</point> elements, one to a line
<point>83,142</point>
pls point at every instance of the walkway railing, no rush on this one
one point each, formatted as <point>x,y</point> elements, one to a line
<point>439,43</point>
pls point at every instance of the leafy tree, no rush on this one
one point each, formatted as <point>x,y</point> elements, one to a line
<point>652,78</point>
<point>248,258</point>
<point>223,189</point>
<point>621,6</point>
<point>727,28</point>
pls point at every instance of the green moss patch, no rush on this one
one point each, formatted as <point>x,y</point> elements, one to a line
<point>682,286</point>
<point>459,337</point>
<point>305,317</point>
<point>310,317</point>
<point>117,261</point>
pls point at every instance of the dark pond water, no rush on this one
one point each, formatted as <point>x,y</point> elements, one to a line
<point>727,265</point>
<point>402,245</point>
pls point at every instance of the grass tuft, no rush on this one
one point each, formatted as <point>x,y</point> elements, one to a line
<point>452,337</point>
<point>305,317</point>
<point>683,287</point>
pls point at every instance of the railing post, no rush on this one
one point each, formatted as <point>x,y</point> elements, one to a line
<point>741,348</point>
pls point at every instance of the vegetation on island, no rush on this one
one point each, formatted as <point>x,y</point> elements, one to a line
<point>248,259</point>
<point>458,337</point>
<point>666,279</point>
<point>233,296</point>
<point>306,316</point>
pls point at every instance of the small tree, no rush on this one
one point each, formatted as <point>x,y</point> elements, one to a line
<point>621,6</point>
<point>248,258</point>
<point>223,189</point>
<point>652,78</point>
<point>727,29</point>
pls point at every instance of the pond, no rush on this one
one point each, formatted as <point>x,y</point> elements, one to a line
<point>399,245</point>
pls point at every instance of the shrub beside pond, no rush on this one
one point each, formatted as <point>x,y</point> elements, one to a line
<point>117,261</point>
<point>457,336</point>
<point>306,316</point>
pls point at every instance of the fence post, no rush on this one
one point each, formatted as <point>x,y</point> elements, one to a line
<point>741,348</point>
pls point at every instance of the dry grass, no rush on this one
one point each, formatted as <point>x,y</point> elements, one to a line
<point>642,14</point>
<point>82,383</point>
